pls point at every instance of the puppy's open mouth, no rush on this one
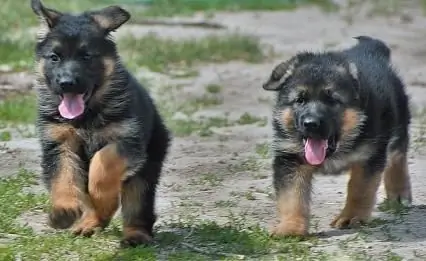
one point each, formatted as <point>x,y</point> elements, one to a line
<point>316,150</point>
<point>72,105</point>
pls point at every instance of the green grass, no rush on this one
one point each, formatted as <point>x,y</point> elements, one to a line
<point>247,118</point>
<point>213,88</point>
<point>14,202</point>
<point>17,14</point>
<point>160,54</point>
<point>20,109</point>
<point>5,136</point>
<point>187,7</point>
<point>182,128</point>
<point>188,240</point>
<point>17,53</point>
<point>16,45</point>
<point>263,150</point>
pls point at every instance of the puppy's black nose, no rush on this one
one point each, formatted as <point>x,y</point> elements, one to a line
<point>311,123</point>
<point>66,82</point>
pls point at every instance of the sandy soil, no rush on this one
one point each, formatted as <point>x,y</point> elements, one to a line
<point>203,173</point>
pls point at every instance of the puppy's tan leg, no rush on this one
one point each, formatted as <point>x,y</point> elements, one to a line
<point>360,199</point>
<point>106,171</point>
<point>397,180</point>
<point>63,189</point>
<point>293,187</point>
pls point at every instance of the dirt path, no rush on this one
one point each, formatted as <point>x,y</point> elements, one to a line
<point>228,171</point>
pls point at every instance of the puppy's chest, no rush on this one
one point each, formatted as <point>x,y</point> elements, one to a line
<point>94,139</point>
<point>341,161</point>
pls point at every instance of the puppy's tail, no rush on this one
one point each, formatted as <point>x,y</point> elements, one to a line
<point>374,46</point>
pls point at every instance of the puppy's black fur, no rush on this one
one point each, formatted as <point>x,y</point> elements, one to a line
<point>338,111</point>
<point>108,139</point>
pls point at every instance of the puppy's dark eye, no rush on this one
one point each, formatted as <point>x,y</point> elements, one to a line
<point>335,100</point>
<point>300,100</point>
<point>332,98</point>
<point>54,57</point>
<point>87,56</point>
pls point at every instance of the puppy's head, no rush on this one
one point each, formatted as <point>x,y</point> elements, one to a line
<point>75,54</point>
<point>317,101</point>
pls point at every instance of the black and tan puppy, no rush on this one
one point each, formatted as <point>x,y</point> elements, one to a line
<point>102,138</point>
<point>339,111</point>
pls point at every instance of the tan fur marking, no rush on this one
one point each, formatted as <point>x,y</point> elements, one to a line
<point>105,174</point>
<point>64,189</point>
<point>109,65</point>
<point>360,199</point>
<point>294,204</point>
<point>64,133</point>
<point>287,117</point>
<point>64,192</point>
<point>396,177</point>
<point>40,66</point>
<point>102,20</point>
<point>350,121</point>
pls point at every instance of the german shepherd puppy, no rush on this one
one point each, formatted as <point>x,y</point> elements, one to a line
<point>339,111</point>
<point>103,140</point>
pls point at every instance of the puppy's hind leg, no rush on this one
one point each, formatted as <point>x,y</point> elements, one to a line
<point>396,176</point>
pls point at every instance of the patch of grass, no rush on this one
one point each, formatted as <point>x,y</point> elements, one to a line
<point>161,54</point>
<point>5,136</point>
<point>182,128</point>
<point>250,164</point>
<point>208,179</point>
<point>237,241</point>
<point>201,102</point>
<point>213,88</point>
<point>225,203</point>
<point>187,7</point>
<point>262,150</point>
<point>18,54</point>
<point>20,109</point>
<point>190,240</point>
<point>393,207</point>
<point>391,256</point>
<point>17,14</point>
<point>249,195</point>
<point>247,118</point>
<point>14,202</point>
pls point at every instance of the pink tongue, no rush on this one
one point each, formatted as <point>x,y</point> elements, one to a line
<point>315,151</point>
<point>72,105</point>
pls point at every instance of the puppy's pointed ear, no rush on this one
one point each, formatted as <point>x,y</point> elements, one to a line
<point>281,73</point>
<point>48,15</point>
<point>110,18</point>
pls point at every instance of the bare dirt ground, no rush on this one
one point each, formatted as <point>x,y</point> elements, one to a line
<point>209,177</point>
